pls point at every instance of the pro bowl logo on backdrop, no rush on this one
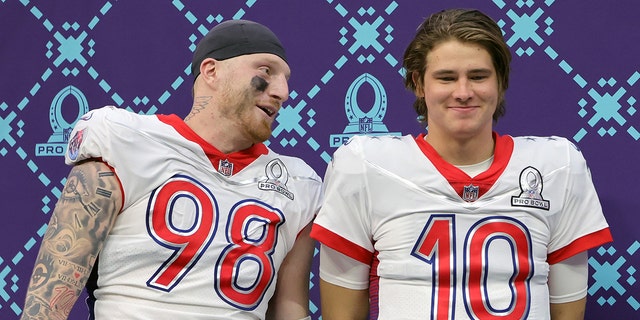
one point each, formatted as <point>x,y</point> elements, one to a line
<point>57,143</point>
<point>360,122</point>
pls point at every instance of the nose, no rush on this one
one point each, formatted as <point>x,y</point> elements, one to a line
<point>279,89</point>
<point>463,90</point>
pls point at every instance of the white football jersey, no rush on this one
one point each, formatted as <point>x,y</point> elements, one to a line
<point>445,245</point>
<point>201,234</point>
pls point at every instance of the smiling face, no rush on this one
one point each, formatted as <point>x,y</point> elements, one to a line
<point>460,89</point>
<point>252,90</point>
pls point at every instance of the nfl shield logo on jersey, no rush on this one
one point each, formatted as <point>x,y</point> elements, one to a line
<point>225,168</point>
<point>470,193</point>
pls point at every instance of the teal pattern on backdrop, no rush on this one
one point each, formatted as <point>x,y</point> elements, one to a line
<point>575,73</point>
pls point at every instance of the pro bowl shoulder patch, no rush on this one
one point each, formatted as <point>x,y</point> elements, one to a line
<point>531,186</point>
<point>277,177</point>
<point>74,144</point>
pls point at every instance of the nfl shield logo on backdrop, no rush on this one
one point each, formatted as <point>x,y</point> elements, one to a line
<point>366,124</point>
<point>225,168</point>
<point>470,193</point>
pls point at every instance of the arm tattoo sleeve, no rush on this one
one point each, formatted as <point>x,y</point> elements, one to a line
<point>81,220</point>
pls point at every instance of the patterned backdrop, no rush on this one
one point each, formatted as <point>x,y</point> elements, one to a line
<point>575,74</point>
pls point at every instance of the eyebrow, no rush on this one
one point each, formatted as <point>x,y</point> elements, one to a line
<point>445,72</point>
<point>481,70</point>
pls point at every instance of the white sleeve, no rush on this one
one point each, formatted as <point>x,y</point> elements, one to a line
<point>582,218</point>
<point>343,222</point>
<point>89,136</point>
<point>568,279</point>
<point>341,270</point>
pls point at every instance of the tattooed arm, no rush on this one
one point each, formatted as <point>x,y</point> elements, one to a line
<point>81,220</point>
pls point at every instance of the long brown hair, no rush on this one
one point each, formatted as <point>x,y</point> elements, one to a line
<point>464,25</point>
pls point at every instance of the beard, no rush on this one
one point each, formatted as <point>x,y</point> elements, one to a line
<point>240,108</point>
<point>258,129</point>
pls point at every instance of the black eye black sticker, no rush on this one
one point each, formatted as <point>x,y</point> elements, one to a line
<point>259,83</point>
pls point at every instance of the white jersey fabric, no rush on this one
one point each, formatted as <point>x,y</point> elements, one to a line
<point>201,234</point>
<point>445,245</point>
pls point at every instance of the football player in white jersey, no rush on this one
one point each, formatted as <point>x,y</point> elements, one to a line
<point>165,218</point>
<point>460,222</point>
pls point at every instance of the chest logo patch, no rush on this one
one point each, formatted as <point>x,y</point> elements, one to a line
<point>531,190</point>
<point>277,177</point>
<point>470,193</point>
<point>225,168</point>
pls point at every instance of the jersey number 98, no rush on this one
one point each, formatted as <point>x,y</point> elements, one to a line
<point>190,243</point>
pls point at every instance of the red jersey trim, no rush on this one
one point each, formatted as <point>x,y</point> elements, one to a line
<point>340,244</point>
<point>581,244</point>
<point>240,159</point>
<point>457,178</point>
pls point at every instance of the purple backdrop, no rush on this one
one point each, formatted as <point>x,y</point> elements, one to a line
<point>575,73</point>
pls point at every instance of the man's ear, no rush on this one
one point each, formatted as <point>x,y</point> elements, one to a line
<point>208,68</point>
<point>417,84</point>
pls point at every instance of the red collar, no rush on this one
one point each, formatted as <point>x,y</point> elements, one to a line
<point>457,178</point>
<point>239,159</point>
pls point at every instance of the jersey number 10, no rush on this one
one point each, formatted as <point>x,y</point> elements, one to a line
<point>436,246</point>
